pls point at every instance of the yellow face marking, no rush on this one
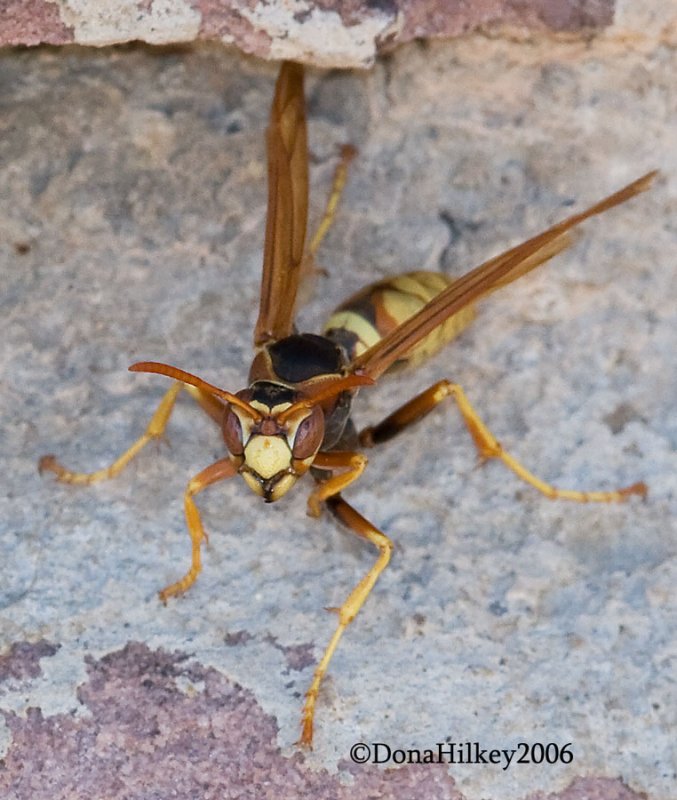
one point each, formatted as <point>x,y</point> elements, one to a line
<point>283,486</point>
<point>253,484</point>
<point>278,489</point>
<point>265,410</point>
<point>267,455</point>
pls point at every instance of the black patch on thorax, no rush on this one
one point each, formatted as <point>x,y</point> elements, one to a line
<point>302,356</point>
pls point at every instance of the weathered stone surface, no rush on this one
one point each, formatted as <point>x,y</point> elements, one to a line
<point>132,202</point>
<point>337,33</point>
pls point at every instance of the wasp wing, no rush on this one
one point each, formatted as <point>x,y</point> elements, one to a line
<point>482,280</point>
<point>287,206</point>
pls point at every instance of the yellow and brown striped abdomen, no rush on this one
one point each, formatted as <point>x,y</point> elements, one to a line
<point>376,310</point>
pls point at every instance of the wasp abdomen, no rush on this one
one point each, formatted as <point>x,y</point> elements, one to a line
<point>373,312</point>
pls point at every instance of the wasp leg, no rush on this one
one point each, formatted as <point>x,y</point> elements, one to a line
<point>156,428</point>
<point>353,463</point>
<point>486,443</point>
<point>348,611</point>
<point>348,152</point>
<point>219,471</point>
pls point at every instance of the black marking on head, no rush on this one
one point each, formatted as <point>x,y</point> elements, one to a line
<point>272,394</point>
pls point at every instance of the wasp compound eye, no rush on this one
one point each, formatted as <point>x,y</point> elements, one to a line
<point>232,433</point>
<point>309,435</point>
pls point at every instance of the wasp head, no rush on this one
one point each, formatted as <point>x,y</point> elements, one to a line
<point>273,431</point>
<point>273,437</point>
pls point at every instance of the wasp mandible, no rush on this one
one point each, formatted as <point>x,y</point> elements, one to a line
<point>294,415</point>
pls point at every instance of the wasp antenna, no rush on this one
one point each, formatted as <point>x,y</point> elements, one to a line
<point>323,390</point>
<point>186,377</point>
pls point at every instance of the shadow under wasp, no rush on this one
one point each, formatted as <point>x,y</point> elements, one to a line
<point>294,417</point>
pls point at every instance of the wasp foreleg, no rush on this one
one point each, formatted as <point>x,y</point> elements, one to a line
<point>219,471</point>
<point>155,429</point>
<point>486,443</point>
<point>348,611</point>
<point>353,463</point>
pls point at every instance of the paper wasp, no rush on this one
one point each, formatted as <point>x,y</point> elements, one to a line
<point>294,416</point>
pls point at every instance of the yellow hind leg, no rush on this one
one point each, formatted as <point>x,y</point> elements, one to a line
<point>486,443</point>
<point>154,430</point>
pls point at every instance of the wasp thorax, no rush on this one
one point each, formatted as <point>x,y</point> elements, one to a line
<point>273,438</point>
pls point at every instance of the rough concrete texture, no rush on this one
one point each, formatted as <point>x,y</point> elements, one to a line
<point>330,33</point>
<point>141,734</point>
<point>131,217</point>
